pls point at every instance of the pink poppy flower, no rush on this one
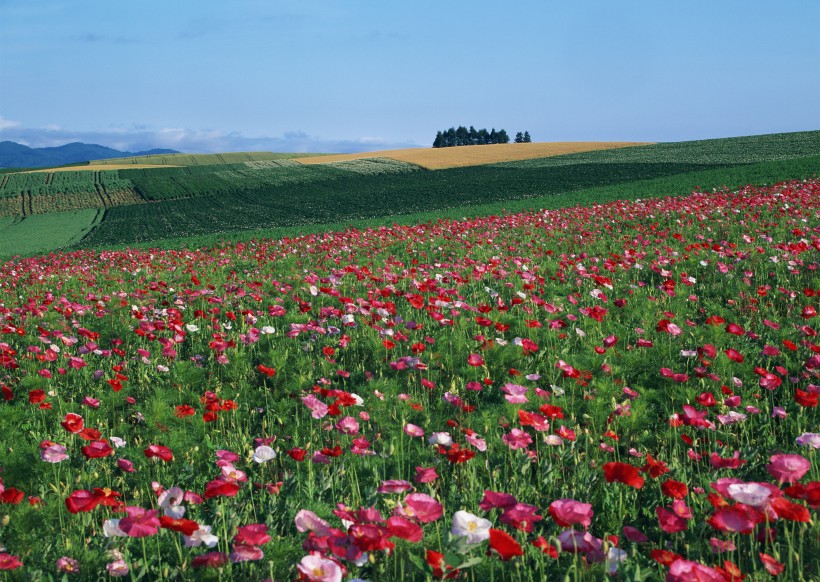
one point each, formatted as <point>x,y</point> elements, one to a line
<point>52,452</point>
<point>494,499</point>
<point>788,468</point>
<point>403,528</point>
<point>517,439</point>
<point>475,360</point>
<point>126,465</point>
<point>395,486</point>
<point>476,441</point>
<point>422,507</point>
<point>720,546</point>
<point>318,409</point>
<point>515,393</point>
<point>9,562</point>
<point>140,522</point>
<point>245,553</point>
<point>521,516</point>
<point>736,518</point>
<point>348,425</point>
<point>635,535</point>
<point>669,521</point>
<point>413,430</point>
<point>425,474</point>
<point>685,571</point>
<point>255,534</point>
<point>567,512</point>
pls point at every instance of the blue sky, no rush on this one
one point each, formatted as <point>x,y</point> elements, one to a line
<point>354,75</point>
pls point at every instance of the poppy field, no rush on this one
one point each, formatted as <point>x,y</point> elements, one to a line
<point>627,389</point>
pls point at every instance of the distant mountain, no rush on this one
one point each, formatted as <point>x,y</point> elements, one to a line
<point>15,155</point>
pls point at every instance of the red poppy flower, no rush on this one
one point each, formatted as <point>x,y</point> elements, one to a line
<point>11,496</point>
<point>504,544</point>
<point>674,489</point>
<point>772,566</point>
<point>789,510</point>
<point>654,467</point>
<point>81,501</point>
<point>269,372</point>
<point>623,473</point>
<point>159,451</point>
<point>221,487</point>
<point>97,449</point>
<point>184,526</point>
<point>73,422</point>
<point>184,410</point>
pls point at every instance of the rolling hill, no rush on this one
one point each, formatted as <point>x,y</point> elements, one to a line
<point>15,155</point>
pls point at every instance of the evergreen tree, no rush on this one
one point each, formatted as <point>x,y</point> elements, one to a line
<point>439,141</point>
<point>473,136</point>
<point>527,138</point>
<point>493,136</point>
<point>519,138</point>
<point>503,137</point>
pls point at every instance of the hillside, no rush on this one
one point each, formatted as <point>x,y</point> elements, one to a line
<point>15,155</point>
<point>461,156</point>
<point>144,205</point>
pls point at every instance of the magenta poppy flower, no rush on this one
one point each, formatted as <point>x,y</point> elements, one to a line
<point>9,562</point>
<point>788,468</point>
<point>515,393</point>
<point>475,360</point>
<point>736,518</point>
<point>635,535</point>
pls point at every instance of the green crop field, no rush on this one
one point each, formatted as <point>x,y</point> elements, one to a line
<point>42,233</point>
<point>198,159</point>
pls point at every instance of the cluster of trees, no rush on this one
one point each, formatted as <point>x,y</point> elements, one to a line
<point>462,136</point>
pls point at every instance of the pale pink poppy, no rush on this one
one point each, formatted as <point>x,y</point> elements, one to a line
<point>316,568</point>
<point>53,453</point>
<point>476,441</point>
<point>245,553</point>
<point>306,521</point>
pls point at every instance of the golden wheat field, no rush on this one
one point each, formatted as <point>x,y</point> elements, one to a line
<point>454,157</point>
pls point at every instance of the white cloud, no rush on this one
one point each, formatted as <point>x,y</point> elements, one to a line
<point>139,138</point>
